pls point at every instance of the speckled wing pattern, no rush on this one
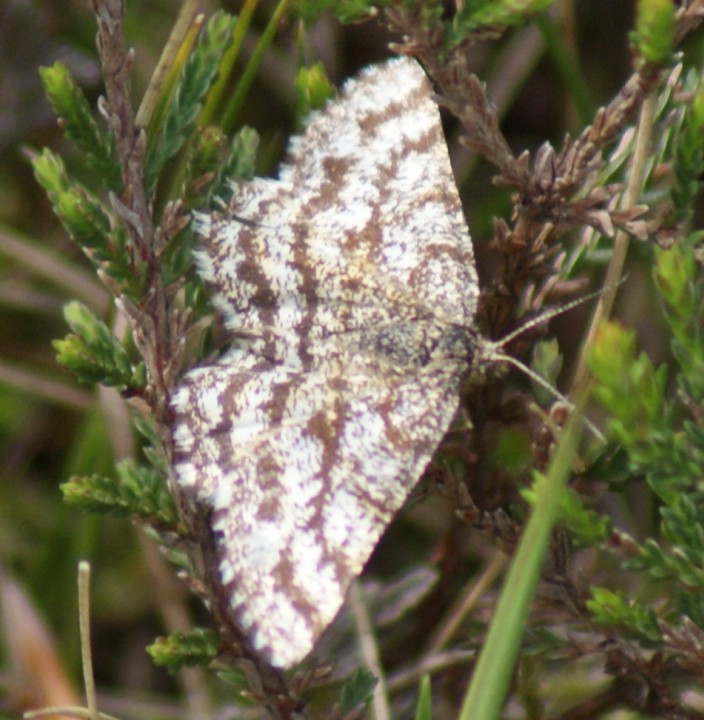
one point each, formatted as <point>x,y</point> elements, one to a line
<point>349,288</point>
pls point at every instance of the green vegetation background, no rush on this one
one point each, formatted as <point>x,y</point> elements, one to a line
<point>546,80</point>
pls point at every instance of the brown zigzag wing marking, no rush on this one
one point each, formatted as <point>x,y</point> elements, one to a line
<point>364,220</point>
<point>352,289</point>
<point>304,472</point>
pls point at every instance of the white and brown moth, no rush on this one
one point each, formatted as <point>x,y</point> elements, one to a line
<point>350,294</point>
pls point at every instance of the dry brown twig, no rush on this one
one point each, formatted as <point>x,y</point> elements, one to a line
<point>155,323</point>
<point>554,192</point>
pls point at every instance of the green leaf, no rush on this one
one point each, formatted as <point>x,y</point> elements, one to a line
<point>197,76</point>
<point>655,29</point>
<point>205,155</point>
<point>585,526</point>
<point>180,650</point>
<point>688,161</point>
<point>86,221</point>
<point>629,387</point>
<point>495,666</point>
<point>691,605</point>
<point>614,609</point>
<point>675,270</point>
<point>94,354</point>
<point>239,164</point>
<point>312,89</point>
<point>73,111</point>
<point>357,690</point>
<point>346,11</point>
<point>547,363</point>
<point>682,562</point>
<point>95,494</point>
<point>492,15</point>
<point>138,491</point>
<point>676,279</point>
<point>424,706</point>
<point>147,489</point>
<point>81,215</point>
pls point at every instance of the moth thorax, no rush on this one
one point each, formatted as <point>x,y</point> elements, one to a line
<point>418,343</point>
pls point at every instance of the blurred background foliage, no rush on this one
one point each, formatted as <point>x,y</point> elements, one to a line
<point>546,78</point>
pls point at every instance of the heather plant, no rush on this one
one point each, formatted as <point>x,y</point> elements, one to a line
<point>613,591</point>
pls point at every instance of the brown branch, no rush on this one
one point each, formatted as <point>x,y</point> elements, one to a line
<point>153,330</point>
<point>546,204</point>
<point>116,62</point>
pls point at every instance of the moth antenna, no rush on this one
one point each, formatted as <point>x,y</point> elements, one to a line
<point>548,315</point>
<point>536,377</point>
<point>495,349</point>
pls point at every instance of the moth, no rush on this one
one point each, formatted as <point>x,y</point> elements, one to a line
<point>350,295</point>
